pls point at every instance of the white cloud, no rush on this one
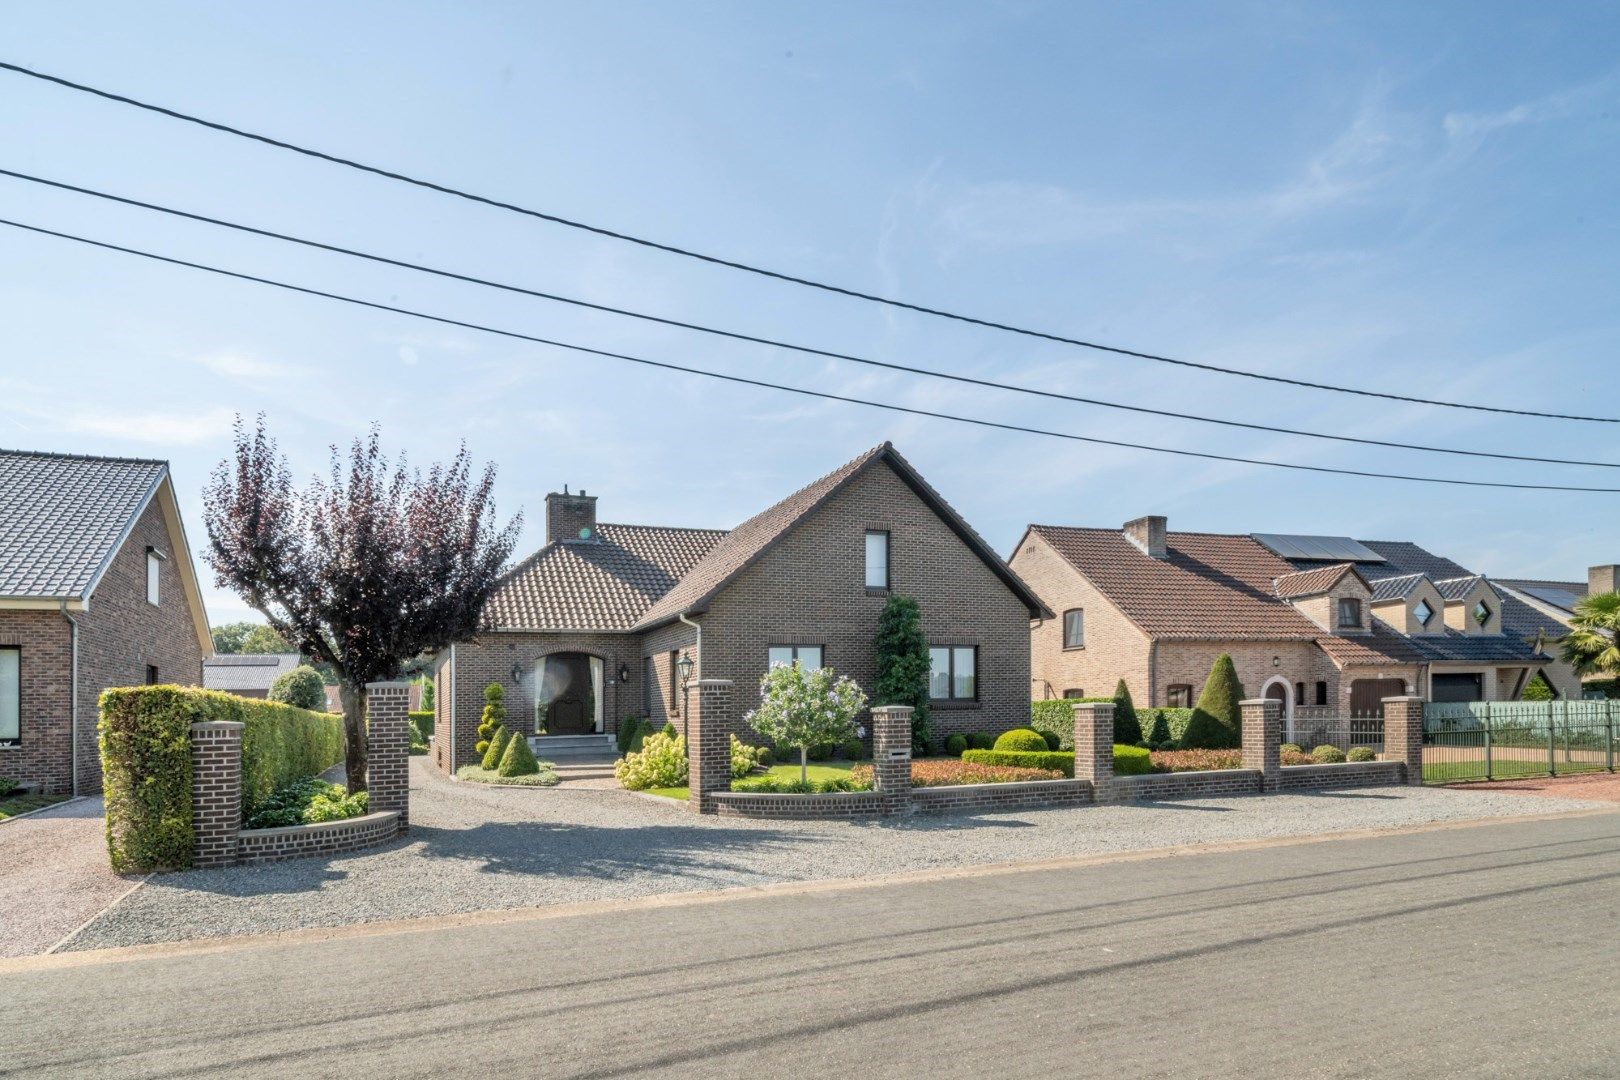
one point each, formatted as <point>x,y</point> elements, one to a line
<point>154,427</point>
<point>237,366</point>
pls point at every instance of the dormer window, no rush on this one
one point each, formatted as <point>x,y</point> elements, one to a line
<point>1482,613</point>
<point>1349,613</point>
<point>1423,613</point>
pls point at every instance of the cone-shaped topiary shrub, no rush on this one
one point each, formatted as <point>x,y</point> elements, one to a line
<point>497,747</point>
<point>517,759</point>
<point>1127,729</point>
<point>1021,740</point>
<point>1217,721</point>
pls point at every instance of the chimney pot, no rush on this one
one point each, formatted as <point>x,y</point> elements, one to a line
<point>1148,534</point>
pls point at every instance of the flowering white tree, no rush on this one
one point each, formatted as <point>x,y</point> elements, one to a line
<point>806,708</point>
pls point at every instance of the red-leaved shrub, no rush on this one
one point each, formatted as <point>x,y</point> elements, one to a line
<point>1201,760</point>
<point>942,772</point>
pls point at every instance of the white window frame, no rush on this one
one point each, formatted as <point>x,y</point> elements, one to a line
<point>154,577</point>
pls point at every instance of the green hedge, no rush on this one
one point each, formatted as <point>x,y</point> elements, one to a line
<point>1128,760</point>
<point>1171,722</point>
<point>146,763</point>
<point>423,722</point>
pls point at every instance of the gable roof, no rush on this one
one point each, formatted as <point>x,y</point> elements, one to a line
<point>1209,585</point>
<point>747,543</point>
<point>1396,588</point>
<point>63,517</point>
<point>1313,582</point>
<point>1457,588</point>
<point>246,671</point>
<point>604,584</point>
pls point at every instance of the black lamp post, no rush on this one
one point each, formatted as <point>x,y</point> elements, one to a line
<point>683,670</point>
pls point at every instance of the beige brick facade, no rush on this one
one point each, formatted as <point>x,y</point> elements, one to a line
<point>1113,648</point>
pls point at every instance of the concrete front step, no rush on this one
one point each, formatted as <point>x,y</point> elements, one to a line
<point>572,747</point>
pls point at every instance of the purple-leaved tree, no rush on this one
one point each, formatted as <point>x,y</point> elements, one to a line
<point>364,571</point>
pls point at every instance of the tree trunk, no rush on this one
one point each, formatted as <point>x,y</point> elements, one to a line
<point>354,736</point>
<point>804,764</point>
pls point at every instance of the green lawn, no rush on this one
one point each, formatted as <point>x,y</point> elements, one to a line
<point>819,770</point>
<point>13,805</point>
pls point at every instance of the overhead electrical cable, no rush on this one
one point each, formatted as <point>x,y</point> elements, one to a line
<point>777,275</point>
<point>801,391</point>
<point>809,350</point>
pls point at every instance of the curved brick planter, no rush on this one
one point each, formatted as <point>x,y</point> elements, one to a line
<point>327,838</point>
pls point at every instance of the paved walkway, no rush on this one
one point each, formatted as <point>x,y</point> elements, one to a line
<point>1604,786</point>
<point>1471,952</point>
<point>478,848</point>
<point>53,875</point>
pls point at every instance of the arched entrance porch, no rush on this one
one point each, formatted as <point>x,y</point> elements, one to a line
<point>568,694</point>
<point>1281,690</point>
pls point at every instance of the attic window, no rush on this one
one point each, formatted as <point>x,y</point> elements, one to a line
<point>1349,613</point>
<point>1482,613</point>
<point>1423,613</point>
<point>154,558</point>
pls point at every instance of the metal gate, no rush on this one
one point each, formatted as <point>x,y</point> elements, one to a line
<point>1505,740</point>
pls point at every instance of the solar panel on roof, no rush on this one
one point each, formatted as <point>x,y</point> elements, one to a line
<point>1318,548</point>
<point>1559,598</point>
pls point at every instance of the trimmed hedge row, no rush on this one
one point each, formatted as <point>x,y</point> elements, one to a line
<point>146,763</point>
<point>1128,760</point>
<point>1159,726</point>
<point>423,722</point>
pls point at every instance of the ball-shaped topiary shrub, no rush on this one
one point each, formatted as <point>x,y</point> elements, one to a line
<point>955,745</point>
<point>1291,748</point>
<point>1361,753</point>
<point>481,747</point>
<point>497,747</point>
<point>517,759</point>
<point>302,687</point>
<point>853,750</point>
<point>1021,740</point>
<point>1054,741</point>
<point>1327,754</point>
<point>981,740</point>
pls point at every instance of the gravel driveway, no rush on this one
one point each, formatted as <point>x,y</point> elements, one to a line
<point>55,875</point>
<point>475,848</point>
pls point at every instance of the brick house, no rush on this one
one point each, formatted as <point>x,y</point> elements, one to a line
<point>97,589</point>
<point>601,622</point>
<point>1327,624</point>
<point>1546,607</point>
<point>247,674</point>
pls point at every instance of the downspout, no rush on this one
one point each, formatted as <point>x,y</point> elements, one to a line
<point>698,673</point>
<point>73,696</point>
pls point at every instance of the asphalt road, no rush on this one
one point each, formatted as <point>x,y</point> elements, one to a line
<point>1480,951</point>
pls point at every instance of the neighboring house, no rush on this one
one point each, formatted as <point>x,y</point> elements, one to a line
<point>1549,605</point>
<point>97,589</point>
<point>601,622</point>
<point>1321,623</point>
<point>246,674</point>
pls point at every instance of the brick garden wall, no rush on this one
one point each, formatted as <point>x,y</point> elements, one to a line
<point>327,838</point>
<point>1349,774</point>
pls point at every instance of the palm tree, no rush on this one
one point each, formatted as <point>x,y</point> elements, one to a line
<point>1591,644</point>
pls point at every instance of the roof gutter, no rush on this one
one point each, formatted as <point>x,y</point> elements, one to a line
<point>73,697</point>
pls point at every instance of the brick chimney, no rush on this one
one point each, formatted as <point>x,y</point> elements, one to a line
<point>1147,533</point>
<point>570,518</point>
<point>1602,579</point>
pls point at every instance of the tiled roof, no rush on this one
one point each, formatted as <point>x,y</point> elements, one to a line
<point>605,584</point>
<point>1563,595</point>
<point>246,671</point>
<point>1456,588</point>
<point>1405,557</point>
<point>1395,588</point>
<point>747,542</point>
<point>63,516</point>
<point>1519,620</point>
<point>1210,585</point>
<point>1383,646</point>
<point>1312,582</point>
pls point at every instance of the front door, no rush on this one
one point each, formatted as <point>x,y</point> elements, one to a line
<point>1367,695</point>
<point>569,692</point>
<point>567,717</point>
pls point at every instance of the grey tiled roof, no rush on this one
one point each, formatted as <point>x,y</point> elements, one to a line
<point>1456,588</point>
<point>62,516</point>
<point>1312,582</point>
<point>246,671</point>
<point>1395,588</point>
<point>605,584</point>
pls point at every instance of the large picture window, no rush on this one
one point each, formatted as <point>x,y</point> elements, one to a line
<point>1074,628</point>
<point>953,673</point>
<point>806,656</point>
<point>10,697</point>
<point>877,559</point>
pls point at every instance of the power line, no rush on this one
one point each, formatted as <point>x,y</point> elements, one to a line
<point>775,343</point>
<point>777,275</point>
<point>802,391</point>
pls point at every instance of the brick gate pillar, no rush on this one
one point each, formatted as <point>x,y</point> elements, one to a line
<point>1262,740</point>
<point>388,748</point>
<point>1094,741</point>
<point>1403,735</point>
<point>216,791</point>
<point>891,756</point>
<point>708,743</point>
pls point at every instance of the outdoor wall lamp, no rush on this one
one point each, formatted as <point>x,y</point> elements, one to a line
<point>624,673</point>
<point>517,672</point>
<point>1276,661</point>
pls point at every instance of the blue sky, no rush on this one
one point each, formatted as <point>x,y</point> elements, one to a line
<point>1418,198</point>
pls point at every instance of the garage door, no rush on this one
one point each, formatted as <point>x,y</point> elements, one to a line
<point>1367,695</point>
<point>1456,688</point>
